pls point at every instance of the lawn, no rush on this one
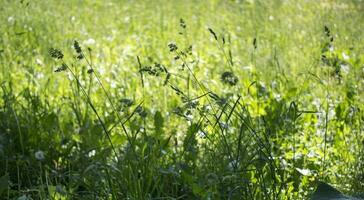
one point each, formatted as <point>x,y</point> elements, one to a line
<point>180,99</point>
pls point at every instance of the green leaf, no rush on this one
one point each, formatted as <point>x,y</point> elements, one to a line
<point>158,123</point>
<point>4,183</point>
<point>326,192</point>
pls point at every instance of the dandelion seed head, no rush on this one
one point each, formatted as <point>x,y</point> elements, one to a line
<point>39,155</point>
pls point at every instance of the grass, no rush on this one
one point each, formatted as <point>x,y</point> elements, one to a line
<point>180,99</point>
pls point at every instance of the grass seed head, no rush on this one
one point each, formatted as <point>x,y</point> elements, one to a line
<point>55,53</point>
<point>172,47</point>
<point>229,78</point>
<point>77,47</point>
<point>62,68</point>
<point>182,23</point>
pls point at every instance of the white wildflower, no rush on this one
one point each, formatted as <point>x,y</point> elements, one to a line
<point>101,70</point>
<point>11,20</point>
<point>345,68</point>
<point>39,75</point>
<point>39,155</point>
<point>311,154</point>
<point>304,172</point>
<point>277,96</point>
<point>201,134</point>
<point>331,48</point>
<point>248,68</point>
<point>126,19</point>
<point>113,84</point>
<point>91,153</point>
<point>90,41</point>
<point>23,197</point>
<point>345,57</point>
<point>39,61</point>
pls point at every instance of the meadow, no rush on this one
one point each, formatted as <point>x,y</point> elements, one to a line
<point>180,99</point>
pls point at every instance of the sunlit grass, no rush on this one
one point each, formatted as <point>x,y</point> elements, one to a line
<point>180,99</point>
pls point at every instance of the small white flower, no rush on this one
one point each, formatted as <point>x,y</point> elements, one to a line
<point>109,38</point>
<point>39,155</point>
<point>233,164</point>
<point>39,75</point>
<point>311,154</point>
<point>277,96</point>
<point>305,172</point>
<point>248,68</point>
<point>345,57</point>
<point>92,153</point>
<point>113,84</point>
<point>101,70</point>
<point>271,18</point>
<point>274,84</point>
<point>201,134</point>
<point>11,20</point>
<point>189,117</point>
<point>331,113</point>
<point>126,19</point>
<point>38,61</point>
<point>224,125</point>
<point>70,76</point>
<point>90,41</point>
<point>317,103</point>
<point>331,48</point>
<point>345,68</point>
<point>23,197</point>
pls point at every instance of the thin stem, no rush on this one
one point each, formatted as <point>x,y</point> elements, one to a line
<point>94,110</point>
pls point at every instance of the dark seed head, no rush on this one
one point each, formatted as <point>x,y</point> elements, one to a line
<point>182,23</point>
<point>62,68</point>
<point>213,33</point>
<point>229,78</point>
<point>79,56</point>
<point>126,102</point>
<point>55,53</point>
<point>90,71</point>
<point>172,47</point>
<point>327,31</point>
<point>141,111</point>
<point>77,47</point>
